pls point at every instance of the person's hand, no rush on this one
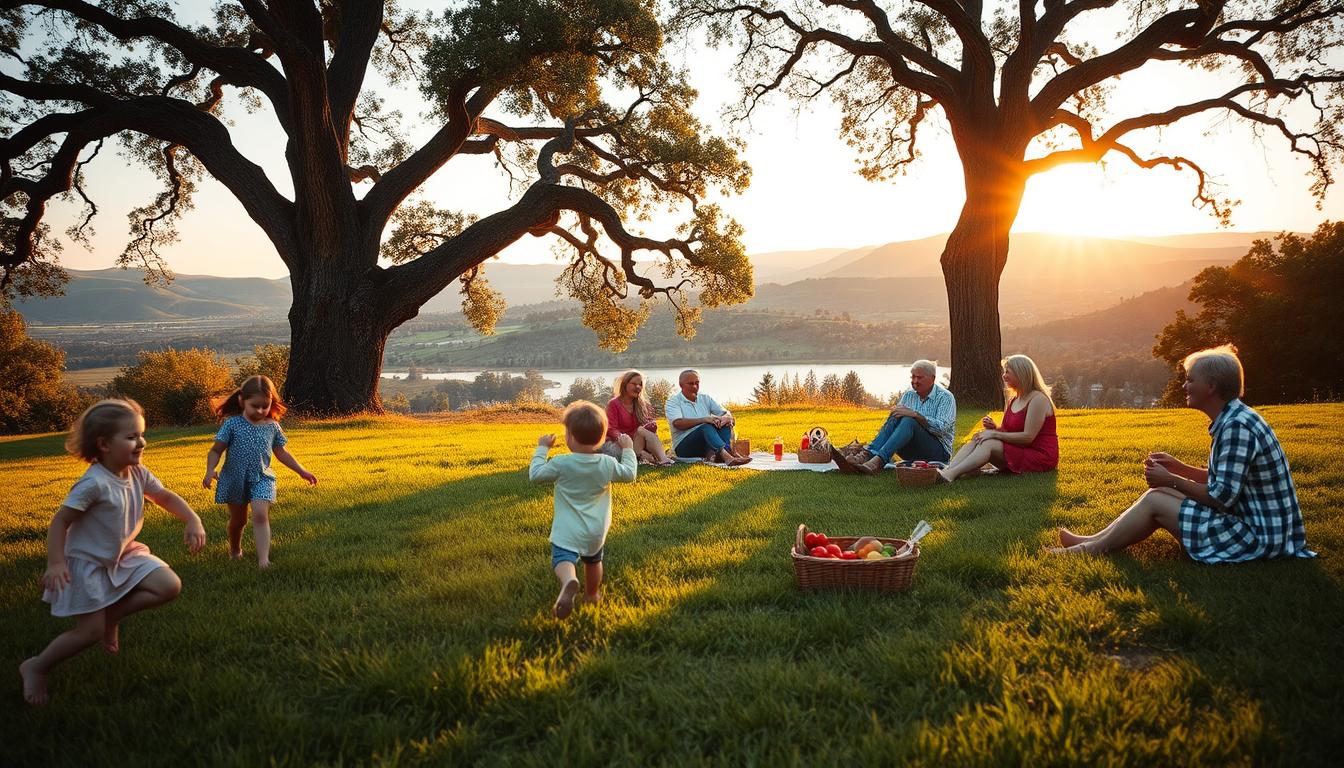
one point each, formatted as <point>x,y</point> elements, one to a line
<point>308,476</point>
<point>56,577</point>
<point>624,441</point>
<point>209,476</point>
<point>988,423</point>
<point>546,440</point>
<point>194,536</point>
<point>983,435</point>
<point>1157,475</point>
<point>1164,460</point>
<point>651,426</point>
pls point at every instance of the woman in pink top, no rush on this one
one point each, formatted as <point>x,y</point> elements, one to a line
<point>628,413</point>
<point>1026,441</point>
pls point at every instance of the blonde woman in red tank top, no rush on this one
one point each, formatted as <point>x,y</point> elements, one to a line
<point>1026,441</point>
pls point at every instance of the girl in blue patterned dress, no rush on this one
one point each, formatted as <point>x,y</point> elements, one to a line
<point>1243,507</point>
<point>249,435</point>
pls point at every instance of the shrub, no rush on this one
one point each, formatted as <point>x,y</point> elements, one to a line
<point>269,360</point>
<point>175,387</point>
<point>34,398</point>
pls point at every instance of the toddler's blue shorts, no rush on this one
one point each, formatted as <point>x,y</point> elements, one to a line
<point>561,555</point>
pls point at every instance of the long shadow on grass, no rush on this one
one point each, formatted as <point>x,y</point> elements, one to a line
<point>1271,633</point>
<point>703,643</point>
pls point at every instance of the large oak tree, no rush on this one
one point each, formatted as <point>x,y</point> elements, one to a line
<point>573,99</point>
<point>1023,91</point>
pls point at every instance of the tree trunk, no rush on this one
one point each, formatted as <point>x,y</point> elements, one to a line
<point>973,259</point>
<point>338,330</point>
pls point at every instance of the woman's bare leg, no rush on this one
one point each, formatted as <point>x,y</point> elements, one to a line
<point>652,444</point>
<point>987,451</point>
<point>1154,510</point>
<point>1068,538</point>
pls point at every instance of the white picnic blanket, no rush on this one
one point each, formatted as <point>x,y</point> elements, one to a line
<point>765,461</point>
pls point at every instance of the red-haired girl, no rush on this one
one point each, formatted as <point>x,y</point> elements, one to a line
<point>250,434</point>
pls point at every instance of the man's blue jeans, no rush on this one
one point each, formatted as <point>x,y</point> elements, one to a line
<point>903,436</point>
<point>705,438</point>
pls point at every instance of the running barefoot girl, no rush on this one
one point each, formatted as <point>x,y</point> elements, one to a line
<point>96,571</point>
<point>250,434</point>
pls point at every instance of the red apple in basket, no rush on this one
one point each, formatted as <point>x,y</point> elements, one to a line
<point>921,465</point>
<point>810,539</point>
<point>820,552</point>
<point>834,549</point>
<point>822,540</point>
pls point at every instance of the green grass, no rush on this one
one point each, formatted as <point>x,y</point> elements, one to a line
<point>407,621</point>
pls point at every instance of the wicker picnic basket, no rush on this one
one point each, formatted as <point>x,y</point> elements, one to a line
<point>890,574</point>
<point>809,456</point>
<point>917,477</point>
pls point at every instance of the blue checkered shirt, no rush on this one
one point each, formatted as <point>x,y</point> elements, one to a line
<point>1248,475</point>
<point>939,409</point>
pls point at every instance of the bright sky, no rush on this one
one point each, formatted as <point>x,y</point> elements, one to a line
<point>805,193</point>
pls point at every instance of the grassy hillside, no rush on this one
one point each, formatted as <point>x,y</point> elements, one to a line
<point>406,619</point>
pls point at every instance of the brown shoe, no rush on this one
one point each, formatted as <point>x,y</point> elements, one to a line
<point>872,466</point>
<point>842,462</point>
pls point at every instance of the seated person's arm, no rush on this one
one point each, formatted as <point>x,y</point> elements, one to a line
<point>1037,410</point>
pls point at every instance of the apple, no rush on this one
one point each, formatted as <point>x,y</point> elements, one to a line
<point>820,552</point>
<point>834,549</point>
<point>810,539</point>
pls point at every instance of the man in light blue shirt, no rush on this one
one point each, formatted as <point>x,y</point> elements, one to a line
<point>920,427</point>
<point>700,426</point>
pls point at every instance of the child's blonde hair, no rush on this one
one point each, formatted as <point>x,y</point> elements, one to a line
<point>232,403</point>
<point>586,422</point>
<point>99,420</point>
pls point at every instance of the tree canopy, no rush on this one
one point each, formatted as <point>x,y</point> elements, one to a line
<point>1280,307</point>
<point>575,102</point>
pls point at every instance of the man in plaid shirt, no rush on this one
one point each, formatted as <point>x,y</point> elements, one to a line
<point>1243,507</point>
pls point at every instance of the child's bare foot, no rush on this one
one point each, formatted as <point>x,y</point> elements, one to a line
<point>111,637</point>
<point>594,598</point>
<point>236,554</point>
<point>564,604</point>
<point>34,683</point>
<point>943,478</point>
<point>1068,538</point>
<point>263,564</point>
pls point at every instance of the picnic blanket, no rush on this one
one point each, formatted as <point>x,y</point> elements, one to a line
<point>764,461</point>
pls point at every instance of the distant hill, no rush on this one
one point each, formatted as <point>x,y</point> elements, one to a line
<point>1133,323</point>
<point>1064,257</point>
<point>1048,277</point>
<point>121,296</point>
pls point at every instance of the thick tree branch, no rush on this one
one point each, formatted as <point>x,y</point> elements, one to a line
<point>1186,27</point>
<point>175,122</point>
<point>359,24</point>
<point>239,67</point>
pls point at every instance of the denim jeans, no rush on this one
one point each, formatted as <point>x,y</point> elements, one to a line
<point>705,438</point>
<point>903,436</point>
<point>560,555</point>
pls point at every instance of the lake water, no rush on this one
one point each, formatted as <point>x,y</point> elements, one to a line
<point>732,383</point>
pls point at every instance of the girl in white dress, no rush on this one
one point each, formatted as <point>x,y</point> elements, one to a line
<point>96,571</point>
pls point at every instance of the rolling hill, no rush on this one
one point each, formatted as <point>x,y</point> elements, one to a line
<point>1048,277</point>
